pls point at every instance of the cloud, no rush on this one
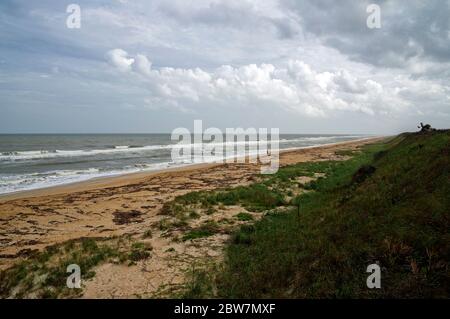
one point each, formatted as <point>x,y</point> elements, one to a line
<point>119,58</point>
<point>142,64</point>
<point>295,87</point>
<point>232,61</point>
<point>417,32</point>
<point>233,14</point>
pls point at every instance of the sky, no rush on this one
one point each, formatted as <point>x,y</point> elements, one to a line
<point>138,66</point>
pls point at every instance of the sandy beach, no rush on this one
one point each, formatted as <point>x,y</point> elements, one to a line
<point>129,205</point>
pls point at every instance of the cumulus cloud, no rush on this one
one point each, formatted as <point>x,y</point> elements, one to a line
<point>295,87</point>
<point>142,64</point>
<point>119,58</point>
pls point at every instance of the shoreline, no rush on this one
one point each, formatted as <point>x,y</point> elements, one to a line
<point>132,209</point>
<point>122,179</point>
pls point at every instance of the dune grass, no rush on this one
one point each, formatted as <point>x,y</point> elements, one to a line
<point>43,274</point>
<point>389,204</point>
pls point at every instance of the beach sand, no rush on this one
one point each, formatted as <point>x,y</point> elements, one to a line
<point>130,205</point>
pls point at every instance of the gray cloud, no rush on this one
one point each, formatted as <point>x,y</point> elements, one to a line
<point>415,31</point>
<point>149,66</point>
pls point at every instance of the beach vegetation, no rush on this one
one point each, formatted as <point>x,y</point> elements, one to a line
<point>387,205</point>
<point>244,217</point>
<point>44,274</point>
<point>207,229</point>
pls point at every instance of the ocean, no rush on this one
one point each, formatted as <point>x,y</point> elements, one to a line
<point>37,161</point>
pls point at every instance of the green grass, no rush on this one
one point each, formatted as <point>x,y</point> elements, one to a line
<point>256,197</point>
<point>43,275</point>
<point>194,215</point>
<point>268,194</point>
<point>345,152</point>
<point>395,214</point>
<point>244,217</point>
<point>207,229</point>
<point>139,251</point>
